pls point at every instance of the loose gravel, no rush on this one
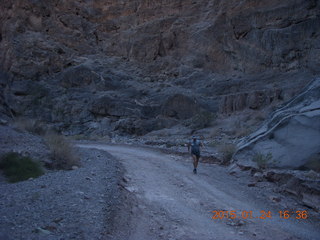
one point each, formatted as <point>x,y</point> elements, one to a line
<point>76,204</point>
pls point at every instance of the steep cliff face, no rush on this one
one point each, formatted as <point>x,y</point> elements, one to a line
<point>39,37</point>
<point>115,63</point>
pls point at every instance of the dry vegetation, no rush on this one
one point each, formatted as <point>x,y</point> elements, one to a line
<point>242,132</point>
<point>62,152</point>
<point>30,125</point>
<point>263,160</point>
<point>227,151</point>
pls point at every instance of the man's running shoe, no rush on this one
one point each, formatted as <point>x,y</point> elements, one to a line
<point>195,171</point>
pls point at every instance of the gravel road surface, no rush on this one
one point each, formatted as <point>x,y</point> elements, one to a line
<point>173,203</point>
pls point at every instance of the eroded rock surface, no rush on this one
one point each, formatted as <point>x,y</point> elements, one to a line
<point>290,137</point>
<point>62,58</point>
<point>43,37</point>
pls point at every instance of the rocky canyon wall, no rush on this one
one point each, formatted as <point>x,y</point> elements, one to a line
<point>101,64</point>
<point>42,37</point>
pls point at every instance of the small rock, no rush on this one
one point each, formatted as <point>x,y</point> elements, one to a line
<point>311,174</point>
<point>252,184</point>
<point>258,176</point>
<point>41,230</point>
<point>147,79</point>
<point>241,223</point>
<point>74,167</point>
<point>57,220</point>
<point>295,192</point>
<point>3,121</point>
<point>88,178</point>
<point>131,189</point>
<point>231,224</point>
<point>311,200</point>
<point>233,169</point>
<point>275,199</point>
<point>235,222</point>
<point>50,228</point>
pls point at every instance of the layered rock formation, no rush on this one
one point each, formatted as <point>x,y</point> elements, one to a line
<point>290,138</point>
<point>39,37</point>
<point>101,65</point>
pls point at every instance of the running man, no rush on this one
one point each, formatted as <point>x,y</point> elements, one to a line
<point>195,145</point>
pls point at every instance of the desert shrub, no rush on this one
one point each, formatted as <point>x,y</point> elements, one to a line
<point>19,168</point>
<point>62,152</point>
<point>215,133</point>
<point>262,160</point>
<point>242,132</point>
<point>30,125</point>
<point>213,143</point>
<point>227,151</point>
<point>78,137</point>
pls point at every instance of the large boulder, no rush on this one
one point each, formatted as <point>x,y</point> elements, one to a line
<point>180,107</point>
<point>143,126</point>
<point>108,106</point>
<point>289,138</point>
<point>79,76</point>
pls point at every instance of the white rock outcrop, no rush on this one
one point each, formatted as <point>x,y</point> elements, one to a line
<point>290,138</point>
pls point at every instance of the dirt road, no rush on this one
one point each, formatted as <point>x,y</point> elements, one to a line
<point>173,203</point>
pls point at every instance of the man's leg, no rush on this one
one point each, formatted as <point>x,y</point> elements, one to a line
<point>195,163</point>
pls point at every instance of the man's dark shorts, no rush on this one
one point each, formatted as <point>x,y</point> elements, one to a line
<point>196,153</point>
